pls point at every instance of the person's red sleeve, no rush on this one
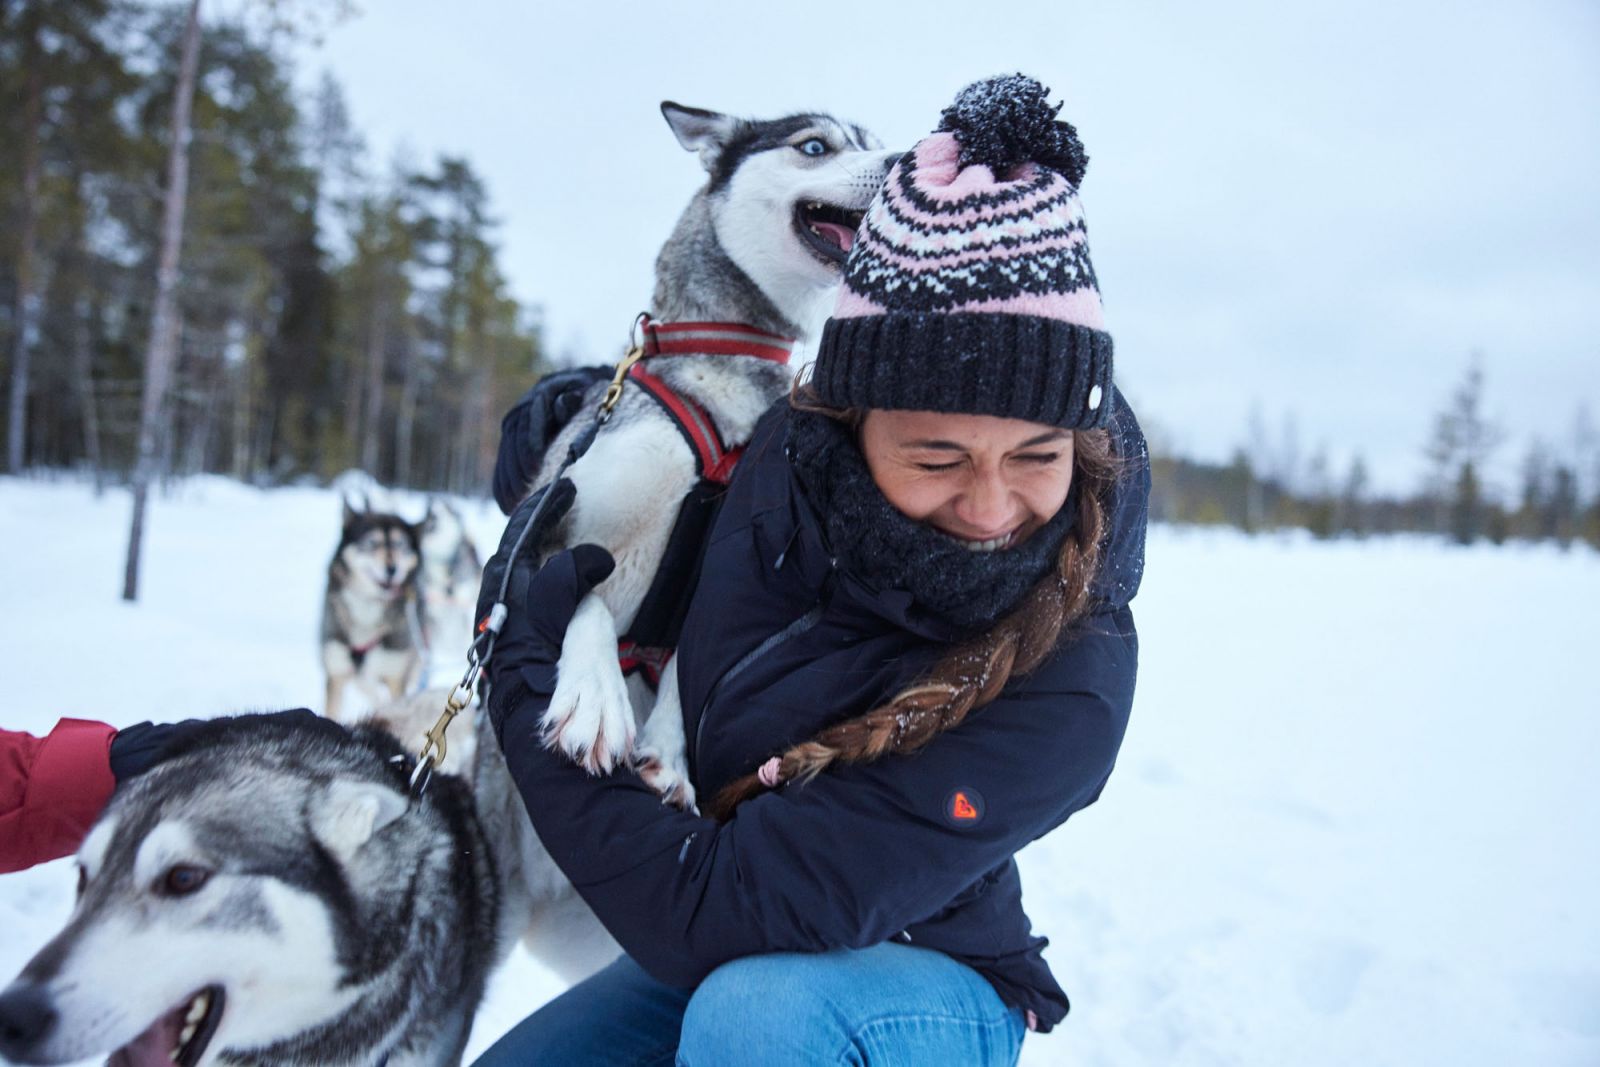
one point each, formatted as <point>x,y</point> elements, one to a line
<point>51,790</point>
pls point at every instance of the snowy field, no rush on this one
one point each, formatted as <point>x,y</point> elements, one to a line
<point>1355,819</point>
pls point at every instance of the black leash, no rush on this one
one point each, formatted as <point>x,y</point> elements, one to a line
<point>482,647</point>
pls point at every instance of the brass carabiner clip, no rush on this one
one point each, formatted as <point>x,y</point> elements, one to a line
<point>614,390</point>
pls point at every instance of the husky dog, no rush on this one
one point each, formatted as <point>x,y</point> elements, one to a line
<point>446,588</point>
<point>370,627</point>
<point>270,894</point>
<point>763,245</point>
<point>447,584</point>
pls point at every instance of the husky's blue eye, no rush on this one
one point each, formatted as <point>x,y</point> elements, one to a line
<point>815,146</point>
<point>181,880</point>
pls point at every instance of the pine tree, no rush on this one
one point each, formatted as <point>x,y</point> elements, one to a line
<point>1352,506</point>
<point>1462,441</point>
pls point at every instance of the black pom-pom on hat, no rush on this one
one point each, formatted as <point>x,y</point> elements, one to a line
<point>1006,121</point>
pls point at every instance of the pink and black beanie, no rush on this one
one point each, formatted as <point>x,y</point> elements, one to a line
<point>969,287</point>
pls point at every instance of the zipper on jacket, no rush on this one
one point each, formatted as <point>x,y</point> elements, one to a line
<point>794,629</point>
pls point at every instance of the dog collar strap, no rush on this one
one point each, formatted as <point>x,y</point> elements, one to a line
<point>714,339</point>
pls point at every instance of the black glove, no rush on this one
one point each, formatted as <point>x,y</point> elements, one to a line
<point>540,601</point>
<point>532,423</point>
<point>562,493</point>
<point>530,642</point>
<point>137,748</point>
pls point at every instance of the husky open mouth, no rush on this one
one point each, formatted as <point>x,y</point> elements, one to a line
<point>178,1038</point>
<point>827,229</point>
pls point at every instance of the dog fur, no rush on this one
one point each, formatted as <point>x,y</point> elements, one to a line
<point>280,868</point>
<point>447,585</point>
<point>370,616</point>
<point>762,244</point>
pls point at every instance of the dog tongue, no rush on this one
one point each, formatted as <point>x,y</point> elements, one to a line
<point>153,1048</point>
<point>837,234</point>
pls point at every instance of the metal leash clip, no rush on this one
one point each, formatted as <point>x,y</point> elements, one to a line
<point>434,749</point>
<point>635,354</point>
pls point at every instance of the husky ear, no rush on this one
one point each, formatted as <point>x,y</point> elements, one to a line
<point>351,513</point>
<point>349,812</point>
<point>698,130</point>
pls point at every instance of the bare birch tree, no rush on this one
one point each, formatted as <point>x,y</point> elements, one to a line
<point>163,349</point>
<point>27,308</point>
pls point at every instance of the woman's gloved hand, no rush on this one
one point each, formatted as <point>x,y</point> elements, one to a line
<point>533,423</point>
<point>137,748</point>
<point>540,600</point>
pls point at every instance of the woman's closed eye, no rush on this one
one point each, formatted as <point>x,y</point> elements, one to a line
<point>1043,459</point>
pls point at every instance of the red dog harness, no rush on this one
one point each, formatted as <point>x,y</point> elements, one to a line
<point>652,638</point>
<point>714,461</point>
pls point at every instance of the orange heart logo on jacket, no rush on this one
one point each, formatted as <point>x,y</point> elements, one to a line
<point>963,807</point>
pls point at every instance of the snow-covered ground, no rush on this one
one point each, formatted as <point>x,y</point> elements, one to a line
<point>1354,821</point>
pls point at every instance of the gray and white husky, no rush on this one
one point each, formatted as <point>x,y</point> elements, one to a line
<point>447,584</point>
<point>270,894</point>
<point>371,629</point>
<point>763,245</point>
<point>416,629</point>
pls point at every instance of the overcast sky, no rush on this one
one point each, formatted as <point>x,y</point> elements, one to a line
<point>1316,211</point>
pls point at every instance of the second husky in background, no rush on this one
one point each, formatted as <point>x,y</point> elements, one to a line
<point>447,585</point>
<point>371,633</point>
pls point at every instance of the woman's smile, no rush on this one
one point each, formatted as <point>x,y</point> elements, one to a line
<point>985,481</point>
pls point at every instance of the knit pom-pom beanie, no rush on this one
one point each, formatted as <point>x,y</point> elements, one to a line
<point>969,288</point>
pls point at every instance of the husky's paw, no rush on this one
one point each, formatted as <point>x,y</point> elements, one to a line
<point>662,756</point>
<point>667,774</point>
<point>590,717</point>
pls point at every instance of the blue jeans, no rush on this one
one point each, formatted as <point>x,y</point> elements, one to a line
<point>887,1005</point>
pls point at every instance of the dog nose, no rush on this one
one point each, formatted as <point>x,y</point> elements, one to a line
<point>26,1016</point>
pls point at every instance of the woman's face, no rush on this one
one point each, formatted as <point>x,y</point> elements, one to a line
<point>986,481</point>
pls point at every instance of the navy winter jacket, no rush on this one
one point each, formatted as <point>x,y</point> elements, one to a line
<point>778,643</point>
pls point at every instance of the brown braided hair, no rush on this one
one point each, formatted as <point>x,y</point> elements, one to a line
<point>974,671</point>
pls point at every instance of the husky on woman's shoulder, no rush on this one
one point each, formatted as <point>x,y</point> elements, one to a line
<point>747,271</point>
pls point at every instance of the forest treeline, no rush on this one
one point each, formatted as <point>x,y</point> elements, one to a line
<point>1267,485</point>
<point>337,312</point>
<point>332,312</point>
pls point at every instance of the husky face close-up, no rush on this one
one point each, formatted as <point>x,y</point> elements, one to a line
<point>785,196</point>
<point>256,900</point>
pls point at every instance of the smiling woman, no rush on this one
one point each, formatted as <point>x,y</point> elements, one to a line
<point>929,551</point>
